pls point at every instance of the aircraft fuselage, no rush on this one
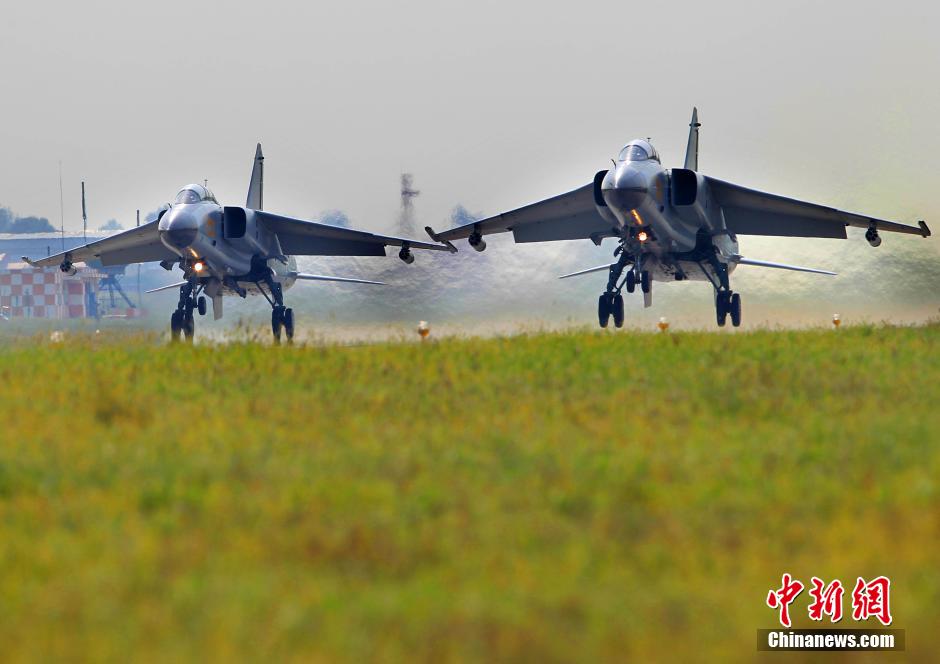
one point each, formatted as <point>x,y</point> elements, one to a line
<point>671,240</point>
<point>196,233</point>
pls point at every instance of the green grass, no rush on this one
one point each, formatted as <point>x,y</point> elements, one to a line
<point>549,497</point>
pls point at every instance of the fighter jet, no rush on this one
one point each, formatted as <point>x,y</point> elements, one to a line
<point>670,225</point>
<point>224,250</point>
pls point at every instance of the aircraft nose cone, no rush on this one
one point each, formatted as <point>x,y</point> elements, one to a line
<point>180,230</point>
<point>628,190</point>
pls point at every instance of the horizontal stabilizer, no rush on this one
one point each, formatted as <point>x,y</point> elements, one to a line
<point>587,271</point>
<point>168,287</point>
<point>741,260</point>
<point>300,276</point>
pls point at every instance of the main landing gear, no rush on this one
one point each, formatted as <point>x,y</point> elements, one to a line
<point>610,303</point>
<point>182,322</point>
<point>282,318</point>
<point>727,302</point>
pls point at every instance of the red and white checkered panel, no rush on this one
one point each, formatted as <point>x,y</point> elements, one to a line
<point>31,292</point>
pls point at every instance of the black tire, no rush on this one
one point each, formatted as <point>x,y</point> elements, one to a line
<point>289,324</point>
<point>618,310</point>
<point>201,305</point>
<point>631,281</point>
<point>735,310</point>
<point>721,308</point>
<point>603,309</point>
<point>176,326</point>
<point>189,327</point>
<point>645,281</point>
<point>277,323</point>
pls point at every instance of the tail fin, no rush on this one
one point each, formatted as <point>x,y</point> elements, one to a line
<point>256,186</point>
<point>691,151</point>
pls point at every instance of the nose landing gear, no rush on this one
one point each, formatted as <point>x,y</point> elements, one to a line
<point>182,323</point>
<point>610,303</point>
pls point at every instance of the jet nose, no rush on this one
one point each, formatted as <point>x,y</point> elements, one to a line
<point>179,229</point>
<point>629,189</point>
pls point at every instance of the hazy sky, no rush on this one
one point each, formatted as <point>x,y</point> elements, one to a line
<point>489,104</point>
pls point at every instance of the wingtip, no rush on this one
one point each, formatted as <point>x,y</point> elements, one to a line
<point>924,229</point>
<point>437,238</point>
<point>258,153</point>
<point>28,261</point>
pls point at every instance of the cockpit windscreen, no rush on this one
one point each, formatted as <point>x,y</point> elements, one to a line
<point>633,152</point>
<point>193,193</point>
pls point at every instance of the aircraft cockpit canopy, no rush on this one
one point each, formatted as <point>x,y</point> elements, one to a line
<point>638,151</point>
<point>194,193</point>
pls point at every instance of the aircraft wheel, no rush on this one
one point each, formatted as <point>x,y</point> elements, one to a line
<point>735,310</point>
<point>721,307</point>
<point>201,305</point>
<point>603,309</point>
<point>618,310</point>
<point>645,281</point>
<point>289,324</point>
<point>176,326</point>
<point>189,327</point>
<point>631,281</point>
<point>277,323</point>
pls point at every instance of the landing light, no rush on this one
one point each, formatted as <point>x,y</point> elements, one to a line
<point>199,266</point>
<point>642,236</point>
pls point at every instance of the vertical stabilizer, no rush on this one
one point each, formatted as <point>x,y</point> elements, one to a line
<point>691,151</point>
<point>256,186</point>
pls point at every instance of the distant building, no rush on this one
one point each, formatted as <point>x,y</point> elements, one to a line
<point>32,292</point>
<point>28,292</point>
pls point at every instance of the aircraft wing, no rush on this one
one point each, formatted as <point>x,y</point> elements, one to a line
<point>309,238</point>
<point>570,216</point>
<point>140,244</point>
<point>751,212</point>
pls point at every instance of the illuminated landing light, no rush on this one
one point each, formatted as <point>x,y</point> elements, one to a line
<point>642,236</point>
<point>636,215</point>
<point>424,329</point>
<point>663,325</point>
<point>199,266</point>
<point>836,320</point>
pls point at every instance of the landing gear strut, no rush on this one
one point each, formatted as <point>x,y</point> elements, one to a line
<point>282,318</point>
<point>182,322</point>
<point>610,303</point>
<point>727,302</point>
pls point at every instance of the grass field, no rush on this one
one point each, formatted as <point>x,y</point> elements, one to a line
<point>545,497</point>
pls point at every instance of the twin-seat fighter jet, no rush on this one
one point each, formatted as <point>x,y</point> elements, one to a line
<point>232,251</point>
<point>670,225</point>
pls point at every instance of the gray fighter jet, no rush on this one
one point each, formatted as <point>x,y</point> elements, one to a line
<point>670,225</point>
<point>232,251</point>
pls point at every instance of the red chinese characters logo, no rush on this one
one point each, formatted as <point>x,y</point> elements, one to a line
<point>869,600</point>
<point>827,600</point>
<point>872,599</point>
<point>783,597</point>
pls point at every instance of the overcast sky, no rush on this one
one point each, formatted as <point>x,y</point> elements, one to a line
<point>489,104</point>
